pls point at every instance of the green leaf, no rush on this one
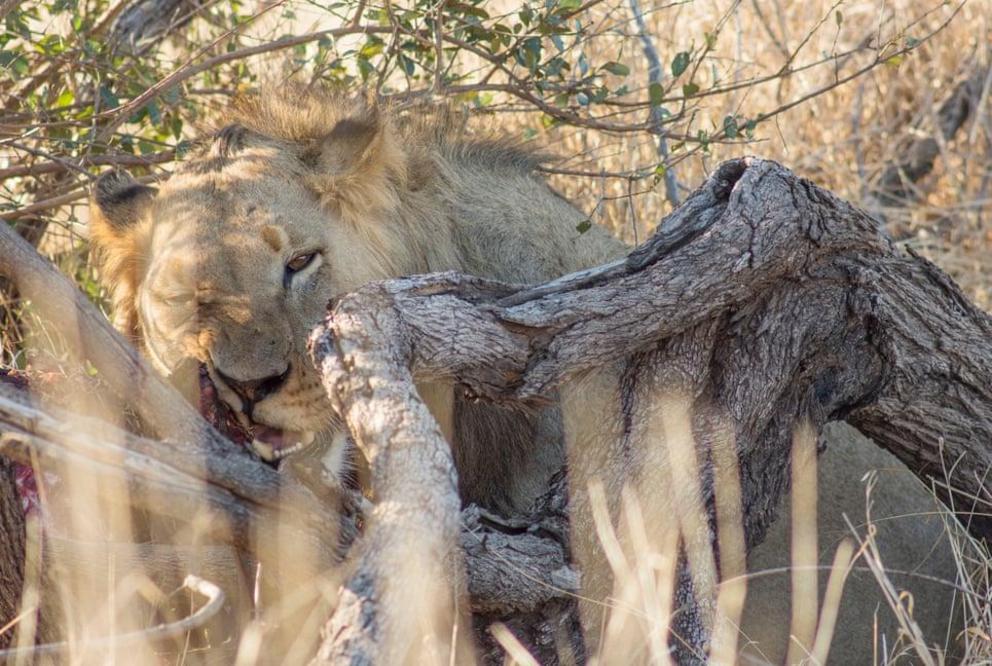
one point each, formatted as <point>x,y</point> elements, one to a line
<point>730,127</point>
<point>617,68</point>
<point>176,125</point>
<point>153,112</point>
<point>656,92</point>
<point>749,127</point>
<point>529,53</point>
<point>583,64</point>
<point>704,138</point>
<point>680,63</point>
<point>690,89</point>
<point>584,226</point>
<point>569,5</point>
<point>65,99</point>
<point>838,17</point>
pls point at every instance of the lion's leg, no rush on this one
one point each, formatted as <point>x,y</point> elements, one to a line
<point>912,539</point>
<point>590,416</point>
<point>440,400</point>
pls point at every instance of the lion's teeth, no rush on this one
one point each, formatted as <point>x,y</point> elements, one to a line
<point>271,453</point>
<point>265,450</point>
<point>282,453</point>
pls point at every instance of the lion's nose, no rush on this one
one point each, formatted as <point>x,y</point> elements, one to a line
<point>254,390</point>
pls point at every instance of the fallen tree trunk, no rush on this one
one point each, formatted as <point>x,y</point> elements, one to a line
<point>767,298</point>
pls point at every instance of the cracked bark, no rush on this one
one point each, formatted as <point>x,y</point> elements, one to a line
<point>11,549</point>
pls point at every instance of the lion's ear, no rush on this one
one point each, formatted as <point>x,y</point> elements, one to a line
<point>350,144</point>
<point>117,228</point>
<point>360,166</point>
<point>117,204</point>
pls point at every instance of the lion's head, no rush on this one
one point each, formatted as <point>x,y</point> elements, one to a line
<point>233,260</point>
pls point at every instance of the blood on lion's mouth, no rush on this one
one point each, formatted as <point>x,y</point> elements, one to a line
<point>270,443</point>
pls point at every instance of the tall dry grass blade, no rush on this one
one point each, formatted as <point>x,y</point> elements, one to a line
<point>516,653</point>
<point>733,550</point>
<point>805,552</point>
<point>31,595</point>
<point>868,546</point>
<point>687,500</point>
<point>655,566</point>
<point>831,600</point>
<point>618,634</point>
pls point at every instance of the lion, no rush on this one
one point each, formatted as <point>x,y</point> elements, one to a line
<point>308,194</point>
<point>305,197</point>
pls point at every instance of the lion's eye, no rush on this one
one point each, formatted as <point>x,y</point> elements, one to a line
<point>299,262</point>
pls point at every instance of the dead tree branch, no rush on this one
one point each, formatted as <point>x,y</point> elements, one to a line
<point>897,184</point>
<point>413,529</point>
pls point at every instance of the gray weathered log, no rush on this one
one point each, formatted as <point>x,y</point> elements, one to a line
<point>513,566</point>
<point>11,549</point>
<point>754,245</point>
<point>412,532</point>
<point>517,577</point>
<point>795,304</point>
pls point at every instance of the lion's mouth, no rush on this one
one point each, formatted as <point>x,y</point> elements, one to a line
<point>270,443</point>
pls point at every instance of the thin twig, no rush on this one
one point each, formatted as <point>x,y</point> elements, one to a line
<point>657,118</point>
